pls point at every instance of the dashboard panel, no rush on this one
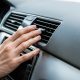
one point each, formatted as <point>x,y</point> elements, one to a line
<point>61,51</point>
<point>64,43</point>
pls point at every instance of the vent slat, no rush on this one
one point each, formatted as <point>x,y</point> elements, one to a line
<point>45,27</point>
<point>14,21</point>
<point>45,36</point>
<point>10,27</point>
<point>47,23</point>
<point>48,33</point>
<point>48,26</point>
<point>17,15</point>
<point>15,18</point>
<point>9,20</point>
<point>44,40</point>
<point>15,25</point>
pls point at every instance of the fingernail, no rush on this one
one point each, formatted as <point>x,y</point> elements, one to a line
<point>38,50</point>
<point>20,27</point>
<point>39,37</point>
<point>32,26</point>
<point>40,31</point>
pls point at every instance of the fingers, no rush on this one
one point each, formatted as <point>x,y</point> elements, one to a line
<point>27,44</point>
<point>26,37</point>
<point>22,31</point>
<point>27,56</point>
<point>18,33</point>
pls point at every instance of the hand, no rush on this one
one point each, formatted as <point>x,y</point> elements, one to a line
<point>11,48</point>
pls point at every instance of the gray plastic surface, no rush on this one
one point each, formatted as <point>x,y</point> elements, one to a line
<point>51,68</point>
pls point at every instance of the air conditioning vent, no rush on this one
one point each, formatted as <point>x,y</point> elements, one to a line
<point>14,21</point>
<point>49,26</point>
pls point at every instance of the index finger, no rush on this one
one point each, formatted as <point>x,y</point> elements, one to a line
<point>22,31</point>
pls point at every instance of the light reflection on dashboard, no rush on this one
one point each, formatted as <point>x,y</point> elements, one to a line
<point>71,0</point>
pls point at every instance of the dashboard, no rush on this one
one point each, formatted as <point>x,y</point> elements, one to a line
<point>60,44</point>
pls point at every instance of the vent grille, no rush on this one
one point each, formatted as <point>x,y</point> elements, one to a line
<point>14,21</point>
<point>48,27</point>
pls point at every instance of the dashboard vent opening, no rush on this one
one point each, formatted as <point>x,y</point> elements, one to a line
<point>14,21</point>
<point>48,26</point>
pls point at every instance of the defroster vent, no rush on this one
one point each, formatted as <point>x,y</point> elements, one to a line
<point>48,26</point>
<point>14,20</point>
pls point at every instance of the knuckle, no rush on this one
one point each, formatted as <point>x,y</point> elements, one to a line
<point>23,45</point>
<point>23,37</point>
<point>39,37</point>
<point>21,60</point>
<point>5,41</point>
<point>19,32</point>
<point>8,56</point>
<point>9,48</point>
<point>36,32</point>
<point>13,61</point>
<point>33,32</point>
<point>24,58</point>
<point>30,41</point>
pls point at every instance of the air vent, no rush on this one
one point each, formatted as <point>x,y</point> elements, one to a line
<point>49,26</point>
<point>14,21</point>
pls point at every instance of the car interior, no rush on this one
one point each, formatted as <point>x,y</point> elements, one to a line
<point>59,58</point>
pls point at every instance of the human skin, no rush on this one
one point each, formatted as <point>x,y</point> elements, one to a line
<point>13,46</point>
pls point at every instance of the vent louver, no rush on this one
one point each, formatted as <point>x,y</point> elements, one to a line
<point>48,26</point>
<point>14,21</point>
